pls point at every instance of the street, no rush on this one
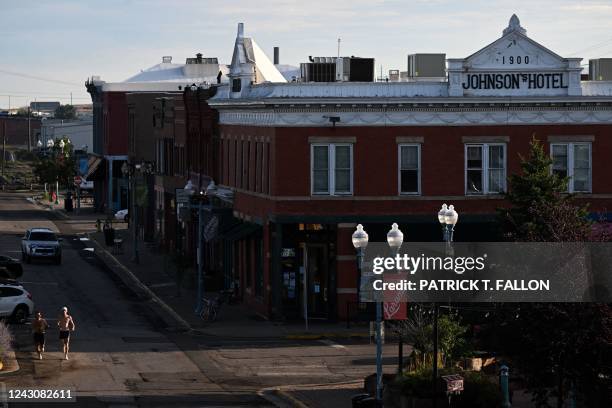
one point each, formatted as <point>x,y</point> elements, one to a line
<point>121,355</point>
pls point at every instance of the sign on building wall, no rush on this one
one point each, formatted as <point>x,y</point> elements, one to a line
<point>514,65</point>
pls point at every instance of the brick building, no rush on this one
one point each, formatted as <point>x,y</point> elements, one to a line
<point>111,116</point>
<point>308,161</point>
<point>15,131</point>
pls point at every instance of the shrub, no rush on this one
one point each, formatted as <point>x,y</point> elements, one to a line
<point>479,390</point>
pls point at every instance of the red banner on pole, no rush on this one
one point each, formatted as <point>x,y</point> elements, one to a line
<point>395,306</point>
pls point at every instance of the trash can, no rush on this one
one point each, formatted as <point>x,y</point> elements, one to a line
<point>68,202</point>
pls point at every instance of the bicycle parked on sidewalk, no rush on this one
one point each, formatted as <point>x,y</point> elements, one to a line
<point>210,308</point>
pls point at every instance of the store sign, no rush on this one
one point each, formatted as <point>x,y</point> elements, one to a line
<point>287,252</point>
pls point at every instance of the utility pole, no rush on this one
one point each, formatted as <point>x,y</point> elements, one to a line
<point>3,145</point>
<point>29,130</point>
<point>70,98</point>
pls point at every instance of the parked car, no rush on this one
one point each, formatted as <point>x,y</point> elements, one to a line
<point>41,243</point>
<point>122,215</point>
<point>15,302</point>
<point>10,268</point>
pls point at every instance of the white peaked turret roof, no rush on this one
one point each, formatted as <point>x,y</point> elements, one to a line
<point>246,51</point>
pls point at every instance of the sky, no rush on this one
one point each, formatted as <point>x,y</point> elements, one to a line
<point>51,47</point>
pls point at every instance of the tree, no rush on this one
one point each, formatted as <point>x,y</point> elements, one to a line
<point>23,111</point>
<point>59,165</point>
<point>65,112</point>
<point>558,346</point>
<point>540,210</point>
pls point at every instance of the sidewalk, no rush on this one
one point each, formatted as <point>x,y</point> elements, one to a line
<point>154,277</point>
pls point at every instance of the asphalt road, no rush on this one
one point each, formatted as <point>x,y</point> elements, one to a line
<point>122,356</point>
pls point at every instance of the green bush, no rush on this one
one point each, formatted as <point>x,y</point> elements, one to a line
<point>479,391</point>
<point>416,383</point>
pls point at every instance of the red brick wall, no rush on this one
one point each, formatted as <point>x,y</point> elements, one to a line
<point>375,160</point>
<point>115,112</point>
<point>16,129</point>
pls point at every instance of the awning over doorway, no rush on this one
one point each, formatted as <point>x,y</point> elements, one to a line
<point>239,230</point>
<point>94,169</point>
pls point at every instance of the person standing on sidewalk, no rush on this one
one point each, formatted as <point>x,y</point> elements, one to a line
<point>66,325</point>
<point>39,327</point>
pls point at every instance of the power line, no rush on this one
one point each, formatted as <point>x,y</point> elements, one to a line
<point>39,78</point>
<point>45,96</point>
<point>598,45</point>
<point>39,93</point>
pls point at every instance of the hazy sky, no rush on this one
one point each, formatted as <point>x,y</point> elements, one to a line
<point>68,41</point>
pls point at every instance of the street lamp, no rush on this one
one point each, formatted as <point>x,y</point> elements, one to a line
<point>360,242</point>
<point>447,217</point>
<point>132,171</point>
<point>189,188</point>
<point>395,238</point>
<point>50,143</point>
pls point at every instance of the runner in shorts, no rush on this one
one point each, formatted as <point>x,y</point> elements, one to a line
<point>39,327</point>
<point>66,325</point>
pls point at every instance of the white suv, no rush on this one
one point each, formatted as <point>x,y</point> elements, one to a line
<point>41,243</point>
<point>15,302</point>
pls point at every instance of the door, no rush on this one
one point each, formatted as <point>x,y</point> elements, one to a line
<point>317,280</point>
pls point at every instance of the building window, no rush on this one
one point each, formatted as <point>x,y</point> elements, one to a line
<point>410,168</point>
<point>331,169</point>
<point>573,160</point>
<point>236,85</point>
<point>485,168</point>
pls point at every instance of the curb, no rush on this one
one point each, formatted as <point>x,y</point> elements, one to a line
<point>294,401</point>
<point>338,335</point>
<point>11,365</point>
<point>60,213</point>
<point>169,316</point>
<point>280,396</point>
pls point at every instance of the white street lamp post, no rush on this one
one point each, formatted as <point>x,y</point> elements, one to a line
<point>447,217</point>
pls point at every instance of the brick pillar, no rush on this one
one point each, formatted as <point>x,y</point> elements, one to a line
<point>346,268</point>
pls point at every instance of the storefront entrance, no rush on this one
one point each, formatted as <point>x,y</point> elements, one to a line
<point>308,275</point>
<point>316,280</point>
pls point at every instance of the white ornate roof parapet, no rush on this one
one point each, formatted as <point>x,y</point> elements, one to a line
<point>514,25</point>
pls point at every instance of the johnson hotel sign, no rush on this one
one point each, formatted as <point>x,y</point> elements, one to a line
<point>514,65</point>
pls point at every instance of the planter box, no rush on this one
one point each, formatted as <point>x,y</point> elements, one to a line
<point>369,383</point>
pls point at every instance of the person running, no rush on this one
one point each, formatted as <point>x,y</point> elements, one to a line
<point>66,325</point>
<point>39,327</point>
